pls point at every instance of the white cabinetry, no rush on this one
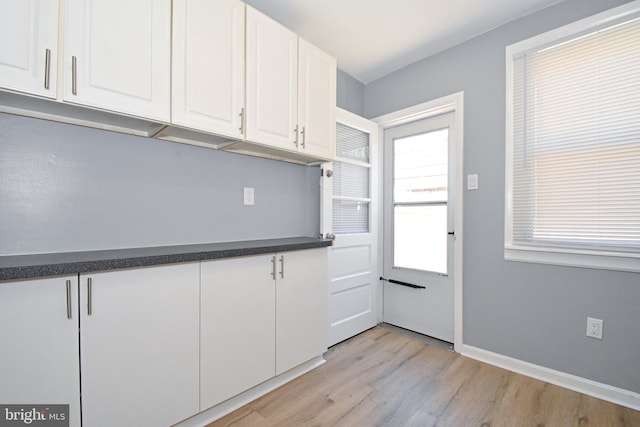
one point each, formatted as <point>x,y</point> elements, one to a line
<point>316,101</point>
<point>237,348</point>
<point>290,90</point>
<point>29,48</point>
<point>139,345</point>
<point>39,362</point>
<point>301,301</point>
<point>208,65</point>
<point>117,56</point>
<point>272,82</point>
<point>260,317</point>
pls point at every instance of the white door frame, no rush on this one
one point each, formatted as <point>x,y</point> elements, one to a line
<point>454,102</point>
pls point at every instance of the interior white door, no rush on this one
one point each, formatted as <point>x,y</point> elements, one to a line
<point>350,213</point>
<point>418,231</point>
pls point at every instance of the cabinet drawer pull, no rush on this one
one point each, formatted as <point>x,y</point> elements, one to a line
<point>282,266</point>
<point>89,297</point>
<point>273,267</point>
<point>304,137</point>
<point>47,68</point>
<point>68,299</point>
<point>296,132</point>
<point>74,75</point>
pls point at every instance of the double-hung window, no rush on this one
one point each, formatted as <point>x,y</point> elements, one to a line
<point>573,144</point>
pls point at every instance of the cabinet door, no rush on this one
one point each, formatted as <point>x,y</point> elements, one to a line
<point>272,82</point>
<point>139,346</point>
<point>237,326</point>
<point>316,101</point>
<point>208,65</point>
<point>29,51</point>
<point>301,301</point>
<point>117,56</point>
<point>39,362</point>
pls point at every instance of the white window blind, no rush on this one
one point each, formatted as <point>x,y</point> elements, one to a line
<point>575,143</point>
<point>351,197</point>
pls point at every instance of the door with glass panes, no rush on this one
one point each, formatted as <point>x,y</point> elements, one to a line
<point>350,214</point>
<point>418,230</point>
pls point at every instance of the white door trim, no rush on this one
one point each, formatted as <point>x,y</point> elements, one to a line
<point>454,102</point>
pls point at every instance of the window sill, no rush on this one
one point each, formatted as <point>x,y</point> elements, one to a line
<point>574,258</point>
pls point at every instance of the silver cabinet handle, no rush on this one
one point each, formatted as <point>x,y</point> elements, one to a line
<point>273,266</point>
<point>296,141</point>
<point>242,121</point>
<point>68,299</point>
<point>282,266</point>
<point>74,75</point>
<point>304,137</point>
<point>47,68</point>
<point>89,297</point>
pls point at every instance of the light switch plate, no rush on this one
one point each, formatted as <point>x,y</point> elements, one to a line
<point>249,199</point>
<point>472,181</point>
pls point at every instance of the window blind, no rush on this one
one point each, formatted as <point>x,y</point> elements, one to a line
<point>351,185</point>
<point>576,142</point>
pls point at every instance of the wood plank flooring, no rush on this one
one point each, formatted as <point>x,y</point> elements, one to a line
<point>382,378</point>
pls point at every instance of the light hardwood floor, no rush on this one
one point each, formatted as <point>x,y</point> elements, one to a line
<point>383,378</point>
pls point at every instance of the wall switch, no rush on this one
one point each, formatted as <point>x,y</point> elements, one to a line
<point>594,328</point>
<point>472,181</point>
<point>249,199</point>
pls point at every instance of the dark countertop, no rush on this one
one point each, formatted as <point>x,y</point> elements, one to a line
<point>55,264</point>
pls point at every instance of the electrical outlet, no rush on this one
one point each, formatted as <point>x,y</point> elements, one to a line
<point>249,196</point>
<point>594,328</point>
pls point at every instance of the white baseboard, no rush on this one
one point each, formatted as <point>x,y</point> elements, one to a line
<point>210,415</point>
<point>602,391</point>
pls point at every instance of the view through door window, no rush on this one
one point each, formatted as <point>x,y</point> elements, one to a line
<point>420,193</point>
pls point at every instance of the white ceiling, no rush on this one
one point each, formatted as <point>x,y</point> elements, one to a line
<point>372,38</point>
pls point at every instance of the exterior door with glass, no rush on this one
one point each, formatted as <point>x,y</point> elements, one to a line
<point>418,230</point>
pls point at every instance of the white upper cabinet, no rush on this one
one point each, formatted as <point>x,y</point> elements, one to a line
<point>291,90</point>
<point>117,56</point>
<point>208,66</point>
<point>272,82</point>
<point>316,100</point>
<point>29,51</point>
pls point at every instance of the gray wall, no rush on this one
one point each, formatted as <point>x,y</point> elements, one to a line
<point>68,188</point>
<point>350,93</point>
<point>531,312</point>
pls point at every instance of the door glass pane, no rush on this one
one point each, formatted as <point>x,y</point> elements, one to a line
<point>420,237</point>
<point>421,167</point>
<point>350,180</point>
<point>352,143</point>
<point>350,217</point>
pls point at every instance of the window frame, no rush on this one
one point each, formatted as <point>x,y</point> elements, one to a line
<point>550,254</point>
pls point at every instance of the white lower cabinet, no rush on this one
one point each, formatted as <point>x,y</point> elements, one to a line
<point>139,345</point>
<point>260,317</point>
<point>301,301</point>
<point>39,361</point>
<point>154,346</point>
<point>237,318</point>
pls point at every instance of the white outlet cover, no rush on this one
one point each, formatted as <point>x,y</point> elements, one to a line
<point>249,196</point>
<point>594,328</point>
<point>472,181</point>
